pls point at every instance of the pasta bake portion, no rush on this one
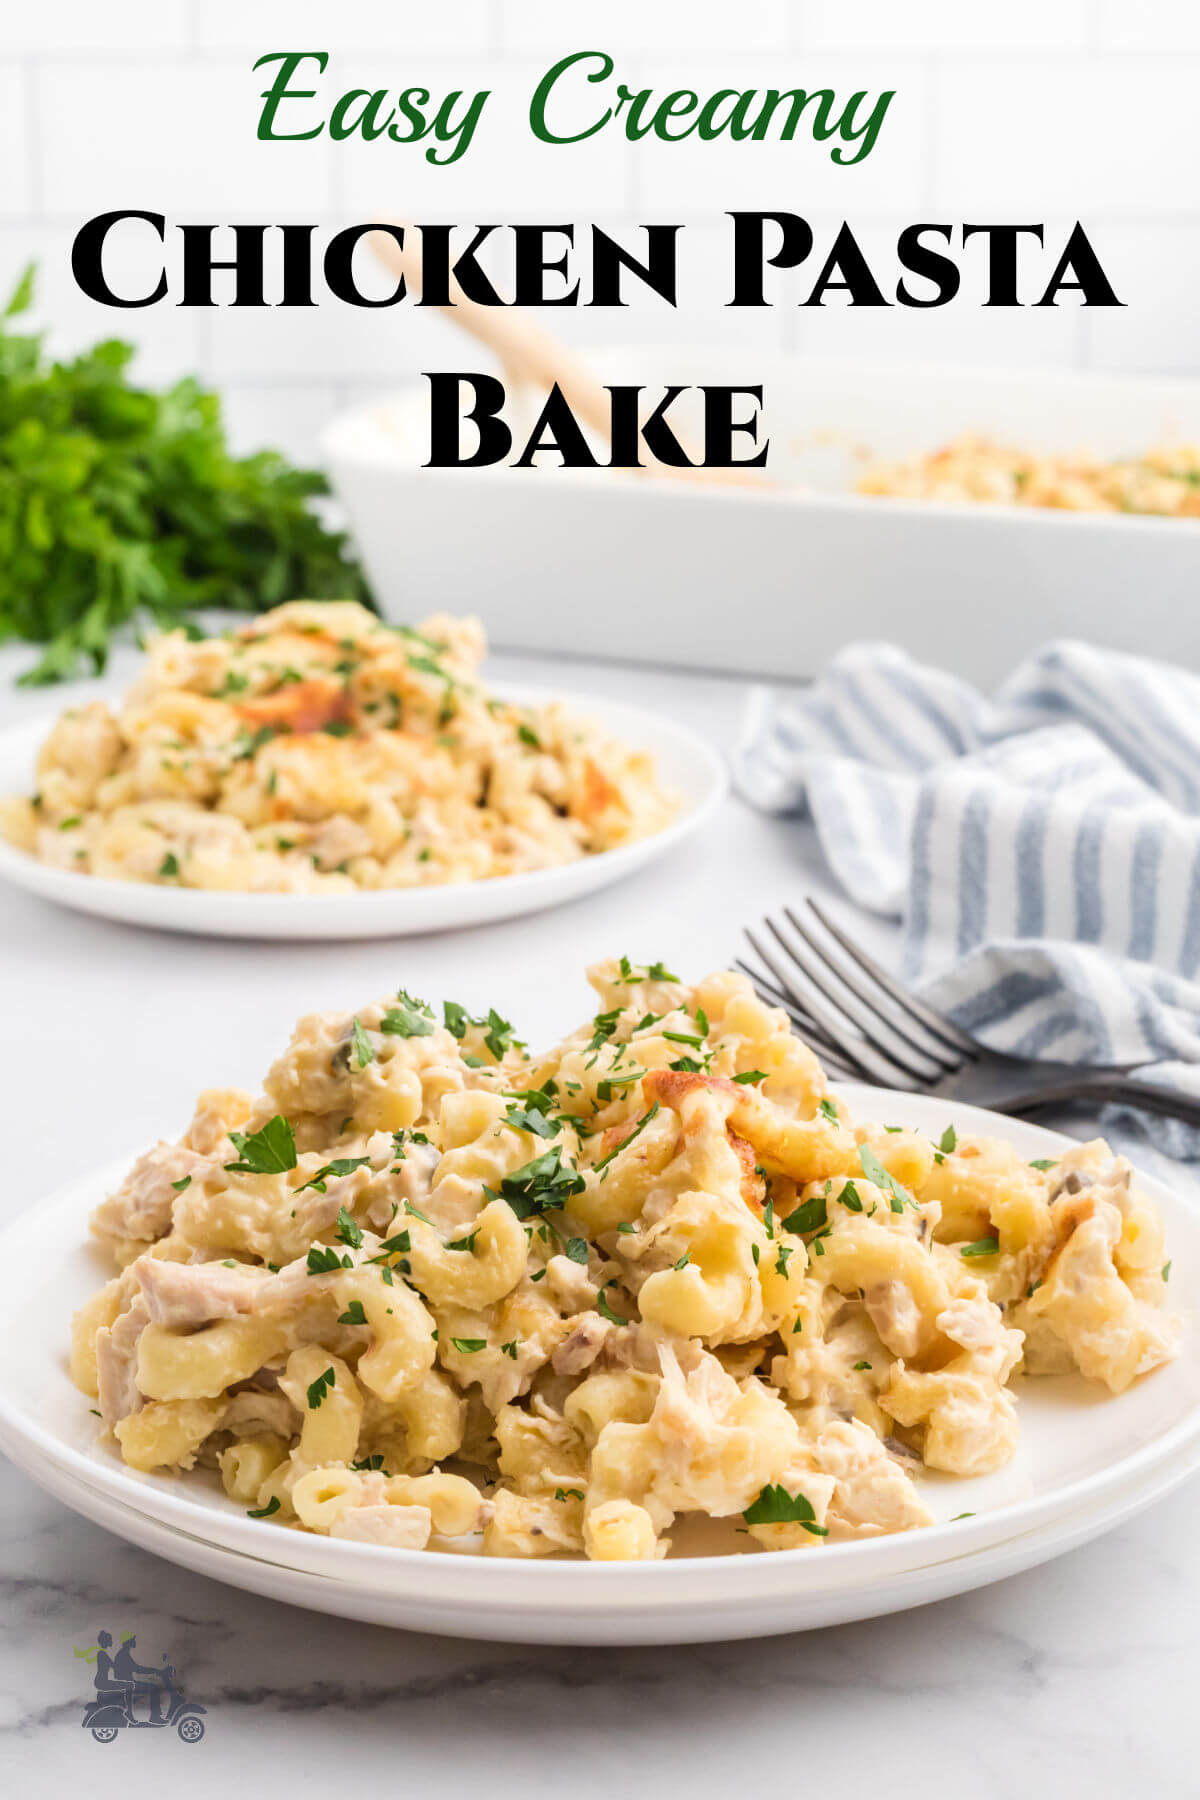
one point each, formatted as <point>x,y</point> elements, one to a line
<point>1164,482</point>
<point>319,750</point>
<point>431,1288</point>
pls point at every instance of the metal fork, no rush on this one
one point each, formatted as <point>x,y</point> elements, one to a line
<point>866,1026</point>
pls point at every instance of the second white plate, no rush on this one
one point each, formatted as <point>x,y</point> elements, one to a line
<point>687,765</point>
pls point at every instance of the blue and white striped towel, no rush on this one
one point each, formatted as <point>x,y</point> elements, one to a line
<point>1042,848</point>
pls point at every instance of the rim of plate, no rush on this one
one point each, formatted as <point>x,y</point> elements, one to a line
<point>665,1579</point>
<point>698,772</point>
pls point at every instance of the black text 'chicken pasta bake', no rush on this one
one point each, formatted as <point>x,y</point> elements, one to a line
<point>434,1290</point>
<point>319,750</point>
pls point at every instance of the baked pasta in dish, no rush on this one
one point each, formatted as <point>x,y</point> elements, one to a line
<point>318,750</point>
<point>432,1289</point>
<point>1163,482</point>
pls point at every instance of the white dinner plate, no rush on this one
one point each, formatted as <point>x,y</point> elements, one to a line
<point>1080,1450</point>
<point>687,765</point>
<point>805,1610</point>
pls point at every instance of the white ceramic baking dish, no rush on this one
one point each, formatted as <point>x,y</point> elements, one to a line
<point>773,579</point>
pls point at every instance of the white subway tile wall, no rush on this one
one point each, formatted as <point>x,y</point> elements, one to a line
<point>1047,110</point>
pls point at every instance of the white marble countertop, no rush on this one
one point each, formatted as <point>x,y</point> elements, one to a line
<point>1079,1677</point>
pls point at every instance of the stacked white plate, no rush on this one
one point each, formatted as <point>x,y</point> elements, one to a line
<point>1086,1462</point>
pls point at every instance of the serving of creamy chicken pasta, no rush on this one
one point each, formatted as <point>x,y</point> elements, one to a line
<point>1165,483</point>
<point>319,750</point>
<point>434,1289</point>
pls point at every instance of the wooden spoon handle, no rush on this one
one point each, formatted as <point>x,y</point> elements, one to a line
<point>527,352</point>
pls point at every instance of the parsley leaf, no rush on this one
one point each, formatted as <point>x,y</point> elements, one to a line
<point>347,1230</point>
<point>811,1216</point>
<point>123,503</point>
<point>625,1142</point>
<point>898,1196</point>
<point>269,1151</point>
<point>318,1389</point>
<point>341,1165</point>
<point>264,1512</point>
<point>605,1310</point>
<point>364,1049</point>
<point>468,1346</point>
<point>541,1186</point>
<point>577,1250</point>
<point>410,1019</point>
<point>775,1506</point>
<point>988,1246</point>
<point>353,1315</point>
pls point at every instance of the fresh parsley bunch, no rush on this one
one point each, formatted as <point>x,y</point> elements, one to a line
<point>118,503</point>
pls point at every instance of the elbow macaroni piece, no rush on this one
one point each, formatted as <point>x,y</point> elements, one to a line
<point>431,1288</point>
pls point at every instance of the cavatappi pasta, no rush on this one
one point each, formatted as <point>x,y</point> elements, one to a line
<point>1163,482</point>
<point>319,750</point>
<point>432,1289</point>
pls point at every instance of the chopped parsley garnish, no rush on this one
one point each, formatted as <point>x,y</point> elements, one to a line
<point>625,1143</point>
<point>781,1259</point>
<point>1166,1271</point>
<point>775,1506</point>
<point>184,1182</point>
<point>684,1260</point>
<point>269,1151</point>
<point>811,1216</point>
<point>568,1493</point>
<point>341,1165</point>
<point>499,1035</point>
<point>1044,1162</point>
<point>169,866</point>
<point>264,1512</point>
<point>898,1196</point>
<point>528,736</point>
<point>416,1213</point>
<point>850,1197</point>
<point>353,1315</point>
<point>654,971</point>
<point>468,1346</point>
<point>323,1260</point>
<point>399,1245</point>
<point>71,823</point>
<point>464,1243</point>
<point>948,1142</point>
<point>366,1463</point>
<point>347,1230</point>
<point>411,1018</point>
<point>509,1349</point>
<point>988,1246</point>
<point>828,1110</point>
<point>577,1250</point>
<point>318,1389</point>
<point>530,1119</point>
<point>862,1364</point>
<point>958,1516</point>
<point>605,1310</point>
<point>541,1186</point>
<point>686,1065</point>
<point>364,1049</point>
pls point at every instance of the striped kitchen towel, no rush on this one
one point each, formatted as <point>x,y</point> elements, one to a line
<point>1041,848</point>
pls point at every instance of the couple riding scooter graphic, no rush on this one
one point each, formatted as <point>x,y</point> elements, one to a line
<point>121,1683</point>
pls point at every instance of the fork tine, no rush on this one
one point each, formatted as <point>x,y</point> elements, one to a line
<point>919,1009</point>
<point>947,1060</point>
<point>876,1065</point>
<point>832,1056</point>
<point>873,1029</point>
